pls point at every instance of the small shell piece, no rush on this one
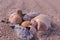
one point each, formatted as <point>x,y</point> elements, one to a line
<point>16,17</point>
<point>30,15</point>
<point>25,23</point>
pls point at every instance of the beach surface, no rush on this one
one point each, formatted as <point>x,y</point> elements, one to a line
<point>48,7</point>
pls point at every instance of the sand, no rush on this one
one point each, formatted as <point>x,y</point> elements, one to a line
<point>48,7</point>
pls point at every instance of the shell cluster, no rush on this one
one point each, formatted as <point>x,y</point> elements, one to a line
<point>34,20</point>
<point>23,23</point>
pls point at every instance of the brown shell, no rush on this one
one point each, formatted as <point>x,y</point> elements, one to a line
<point>16,17</point>
<point>25,23</point>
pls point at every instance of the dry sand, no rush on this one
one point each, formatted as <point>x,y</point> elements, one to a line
<point>48,7</point>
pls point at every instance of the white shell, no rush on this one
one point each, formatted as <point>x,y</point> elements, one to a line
<point>30,15</point>
<point>44,19</point>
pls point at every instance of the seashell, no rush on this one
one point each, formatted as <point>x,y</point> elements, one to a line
<point>23,33</point>
<point>25,23</point>
<point>16,17</point>
<point>30,15</point>
<point>42,22</point>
